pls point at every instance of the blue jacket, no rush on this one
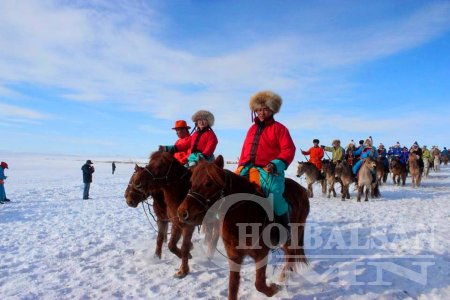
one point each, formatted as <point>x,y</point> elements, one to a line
<point>444,152</point>
<point>404,157</point>
<point>365,152</point>
<point>396,151</point>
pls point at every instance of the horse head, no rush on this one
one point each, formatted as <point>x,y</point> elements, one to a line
<point>301,168</point>
<point>207,184</point>
<point>138,188</point>
<point>370,162</point>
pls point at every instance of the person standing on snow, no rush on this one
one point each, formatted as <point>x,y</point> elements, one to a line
<point>87,169</point>
<point>3,198</point>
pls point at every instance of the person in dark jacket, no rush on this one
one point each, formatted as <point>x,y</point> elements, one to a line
<point>113,167</point>
<point>87,169</point>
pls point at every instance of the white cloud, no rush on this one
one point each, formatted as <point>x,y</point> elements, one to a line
<point>107,51</point>
<point>11,112</point>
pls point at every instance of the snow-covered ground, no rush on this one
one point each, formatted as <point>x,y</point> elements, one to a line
<point>53,245</point>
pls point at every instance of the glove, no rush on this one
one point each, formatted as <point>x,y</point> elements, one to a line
<point>191,164</point>
<point>271,168</point>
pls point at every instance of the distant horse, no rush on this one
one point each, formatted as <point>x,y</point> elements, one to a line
<point>312,175</point>
<point>213,186</point>
<point>365,180</point>
<point>164,172</point>
<point>414,170</point>
<point>398,171</point>
<point>136,194</point>
<point>426,167</point>
<point>344,173</point>
<point>444,159</point>
<point>382,170</point>
<point>437,163</point>
<point>328,170</point>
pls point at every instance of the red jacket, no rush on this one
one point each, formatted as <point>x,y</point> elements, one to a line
<point>201,141</point>
<point>183,143</point>
<point>315,156</point>
<point>266,142</point>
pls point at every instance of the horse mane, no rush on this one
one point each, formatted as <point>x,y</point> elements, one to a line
<point>220,175</point>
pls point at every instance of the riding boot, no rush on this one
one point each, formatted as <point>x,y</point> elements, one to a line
<point>6,200</point>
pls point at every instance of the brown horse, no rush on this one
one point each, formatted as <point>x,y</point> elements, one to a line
<point>136,194</point>
<point>365,180</point>
<point>214,188</point>
<point>312,175</point>
<point>398,171</point>
<point>165,173</point>
<point>344,172</point>
<point>330,176</point>
<point>414,170</point>
<point>382,170</point>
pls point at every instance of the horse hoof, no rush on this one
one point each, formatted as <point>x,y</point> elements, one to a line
<point>180,275</point>
<point>157,255</point>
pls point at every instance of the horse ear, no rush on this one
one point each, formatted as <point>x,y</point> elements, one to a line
<point>219,161</point>
<point>136,167</point>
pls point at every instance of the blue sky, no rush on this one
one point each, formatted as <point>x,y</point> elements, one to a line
<point>111,77</point>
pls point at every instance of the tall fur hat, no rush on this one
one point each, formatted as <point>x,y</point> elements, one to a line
<point>205,115</point>
<point>266,99</point>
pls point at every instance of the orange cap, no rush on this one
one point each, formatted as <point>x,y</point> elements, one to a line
<point>181,124</point>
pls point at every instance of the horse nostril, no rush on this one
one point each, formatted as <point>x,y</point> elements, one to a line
<point>298,175</point>
<point>184,215</point>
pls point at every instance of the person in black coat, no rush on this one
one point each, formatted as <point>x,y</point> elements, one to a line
<point>87,169</point>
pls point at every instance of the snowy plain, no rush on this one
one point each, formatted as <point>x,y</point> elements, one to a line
<point>54,245</point>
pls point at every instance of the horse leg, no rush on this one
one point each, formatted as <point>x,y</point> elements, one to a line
<point>310,190</point>
<point>367,194</point>
<point>162,236</point>
<point>185,248</point>
<point>175,236</point>
<point>323,182</point>
<point>334,191</point>
<point>235,277</point>
<point>260,281</point>
<point>214,238</point>
<point>358,195</point>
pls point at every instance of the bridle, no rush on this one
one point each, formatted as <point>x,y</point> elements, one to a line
<point>165,180</point>
<point>207,202</point>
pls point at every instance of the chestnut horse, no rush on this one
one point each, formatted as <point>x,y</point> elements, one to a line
<point>164,172</point>
<point>414,170</point>
<point>135,195</point>
<point>229,196</point>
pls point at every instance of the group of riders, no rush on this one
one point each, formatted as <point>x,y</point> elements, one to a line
<point>355,155</point>
<point>268,149</point>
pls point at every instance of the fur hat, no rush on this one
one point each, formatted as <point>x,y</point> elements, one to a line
<point>266,99</point>
<point>4,165</point>
<point>336,141</point>
<point>352,142</point>
<point>203,115</point>
<point>316,141</point>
